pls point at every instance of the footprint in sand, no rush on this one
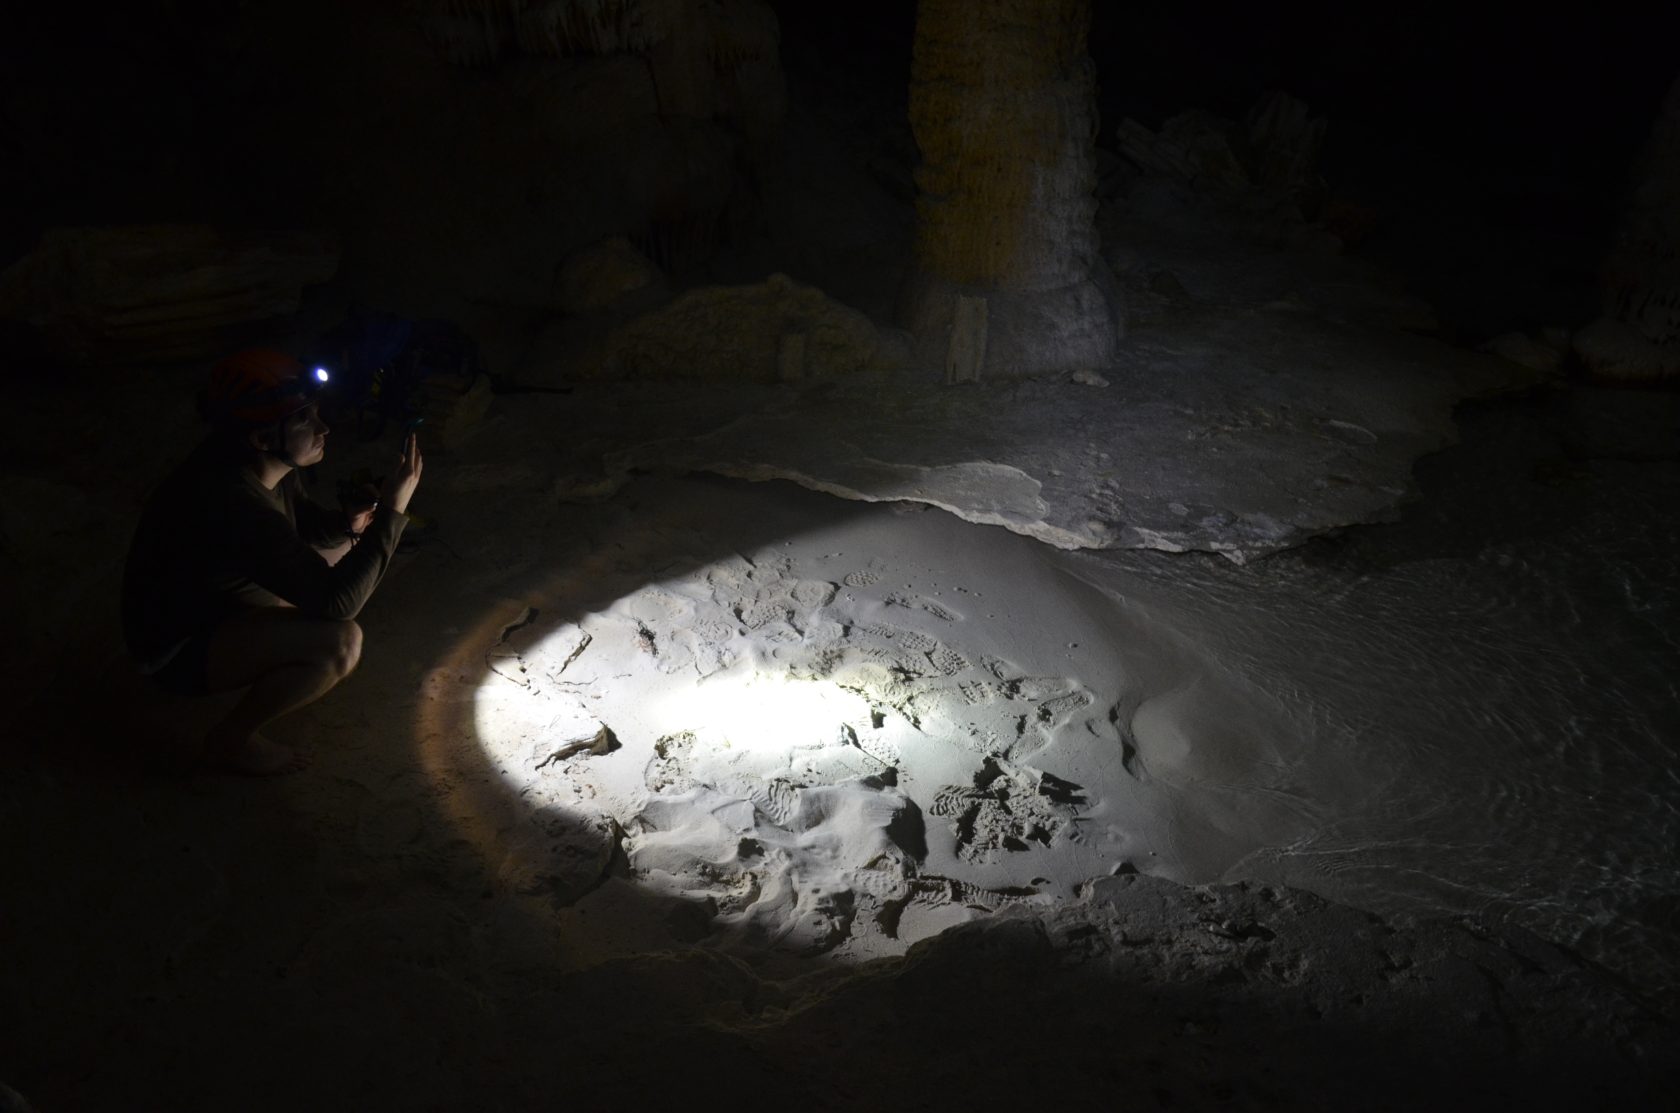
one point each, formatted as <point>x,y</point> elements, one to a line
<point>814,593</point>
<point>922,603</point>
<point>1007,810</point>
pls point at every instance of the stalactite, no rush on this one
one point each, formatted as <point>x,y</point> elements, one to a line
<point>710,57</point>
<point>561,28</point>
<point>709,61</point>
<point>742,32</point>
<point>649,23</point>
<point>469,33</point>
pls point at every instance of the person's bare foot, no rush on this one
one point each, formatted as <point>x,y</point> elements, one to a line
<point>252,755</point>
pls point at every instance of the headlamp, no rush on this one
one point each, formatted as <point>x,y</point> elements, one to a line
<point>261,385</point>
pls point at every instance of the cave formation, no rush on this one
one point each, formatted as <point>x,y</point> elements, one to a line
<point>1008,277</point>
<point>973,554</point>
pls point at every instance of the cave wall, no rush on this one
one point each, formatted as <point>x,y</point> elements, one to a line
<point>1638,337</point>
<point>461,150</point>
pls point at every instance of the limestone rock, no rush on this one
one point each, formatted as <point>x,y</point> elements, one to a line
<point>1003,120</point>
<point>1196,146</point>
<point>1322,452</point>
<point>587,101</point>
<point>466,32</point>
<point>1274,153</point>
<point>1639,336</point>
<point>1284,141</point>
<point>604,273</point>
<point>452,406</point>
<point>1002,104</point>
<point>1526,351</point>
<point>152,293</point>
<point>740,333</point>
<point>1150,294</point>
<point>637,115</point>
<point>1613,349</point>
<point>718,58</point>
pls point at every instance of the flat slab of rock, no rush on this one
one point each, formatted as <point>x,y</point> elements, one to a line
<point>1241,433</point>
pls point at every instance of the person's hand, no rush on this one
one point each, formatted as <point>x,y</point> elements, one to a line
<point>359,502</point>
<point>408,475</point>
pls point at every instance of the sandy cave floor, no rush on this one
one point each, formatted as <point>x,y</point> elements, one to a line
<point>457,908</point>
<point>900,811</point>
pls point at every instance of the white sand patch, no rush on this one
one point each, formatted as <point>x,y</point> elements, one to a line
<point>823,747</point>
<point>788,866</point>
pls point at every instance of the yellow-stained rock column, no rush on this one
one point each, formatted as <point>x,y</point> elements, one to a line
<point>1002,104</point>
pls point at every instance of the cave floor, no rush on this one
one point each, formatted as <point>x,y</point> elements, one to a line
<point>1268,389</point>
<point>377,932</point>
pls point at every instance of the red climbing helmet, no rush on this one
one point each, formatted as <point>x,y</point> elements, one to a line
<point>260,386</point>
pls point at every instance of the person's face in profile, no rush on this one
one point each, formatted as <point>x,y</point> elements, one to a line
<point>305,436</point>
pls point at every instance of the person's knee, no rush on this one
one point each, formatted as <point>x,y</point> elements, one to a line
<point>347,648</point>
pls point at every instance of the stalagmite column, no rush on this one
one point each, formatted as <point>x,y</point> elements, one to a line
<point>1002,104</point>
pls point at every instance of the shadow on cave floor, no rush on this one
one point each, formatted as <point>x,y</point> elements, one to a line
<point>337,940</point>
<point>1531,467</point>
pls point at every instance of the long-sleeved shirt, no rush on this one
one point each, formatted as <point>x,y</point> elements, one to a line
<point>213,541</point>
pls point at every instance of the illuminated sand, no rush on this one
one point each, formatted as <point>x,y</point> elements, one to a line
<point>836,729</point>
<point>463,904</point>
<point>848,740</point>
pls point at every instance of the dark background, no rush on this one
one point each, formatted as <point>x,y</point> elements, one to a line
<point>1493,146</point>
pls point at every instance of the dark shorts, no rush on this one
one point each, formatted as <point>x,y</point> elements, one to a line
<point>187,673</point>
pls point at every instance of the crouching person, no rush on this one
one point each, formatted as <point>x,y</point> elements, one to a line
<point>236,579</point>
